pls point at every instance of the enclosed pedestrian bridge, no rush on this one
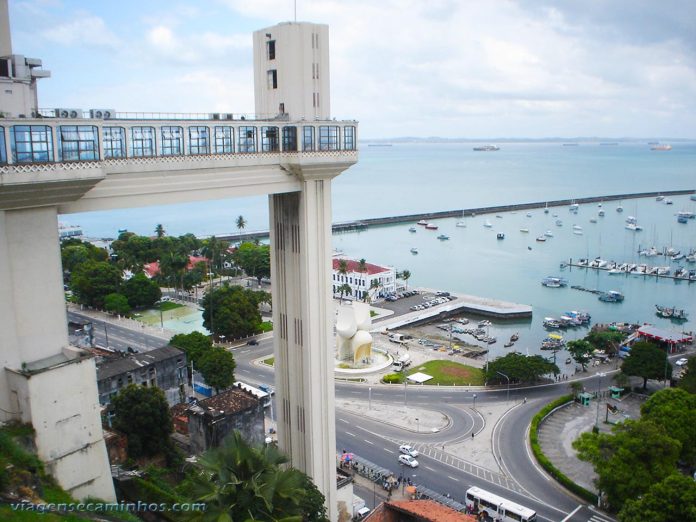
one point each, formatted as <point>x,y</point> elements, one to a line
<point>150,159</point>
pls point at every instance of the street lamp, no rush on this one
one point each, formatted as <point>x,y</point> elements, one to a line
<point>474,396</point>
<point>508,384</point>
<point>106,334</point>
<point>599,383</point>
<point>369,398</point>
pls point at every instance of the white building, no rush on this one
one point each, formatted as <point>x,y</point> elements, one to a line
<point>374,280</point>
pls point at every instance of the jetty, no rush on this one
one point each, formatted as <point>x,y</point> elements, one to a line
<point>633,269</point>
<point>363,224</point>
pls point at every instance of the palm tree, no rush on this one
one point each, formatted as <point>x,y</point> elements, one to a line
<point>239,482</point>
<point>344,289</point>
<point>159,230</point>
<point>374,285</point>
<point>362,266</point>
<point>241,224</point>
<point>405,275</point>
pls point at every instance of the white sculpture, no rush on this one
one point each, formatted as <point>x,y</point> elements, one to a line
<point>353,340</point>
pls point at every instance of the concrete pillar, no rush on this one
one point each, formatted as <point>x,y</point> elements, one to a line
<point>44,381</point>
<point>300,224</point>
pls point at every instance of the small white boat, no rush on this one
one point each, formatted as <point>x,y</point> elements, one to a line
<point>412,229</point>
<point>559,223</point>
<point>548,233</point>
<point>593,220</point>
<point>633,227</point>
<point>577,227</point>
<point>524,230</point>
<point>659,197</point>
<point>414,250</point>
<point>619,208</point>
<point>574,207</point>
<point>488,224</point>
<point>431,226</point>
<point>461,224</point>
<point>601,213</point>
<point>663,270</point>
<point>577,232</point>
<point>443,237</point>
<point>615,271</point>
<point>541,238</point>
<point>668,201</point>
<point>422,222</point>
<point>529,214</point>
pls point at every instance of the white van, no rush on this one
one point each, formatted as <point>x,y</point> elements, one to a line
<point>397,338</point>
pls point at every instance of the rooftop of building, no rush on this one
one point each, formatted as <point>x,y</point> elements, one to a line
<point>416,511</point>
<point>354,266</point>
<point>119,364</point>
<point>230,401</point>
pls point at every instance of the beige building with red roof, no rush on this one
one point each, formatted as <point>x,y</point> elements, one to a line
<point>374,280</point>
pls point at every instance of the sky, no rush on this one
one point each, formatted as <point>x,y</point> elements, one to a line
<point>447,68</point>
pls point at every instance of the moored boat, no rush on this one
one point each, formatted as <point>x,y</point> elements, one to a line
<point>612,296</point>
<point>443,237</point>
<point>412,229</point>
<point>671,313</point>
<point>414,250</point>
<point>431,226</point>
<point>422,222</point>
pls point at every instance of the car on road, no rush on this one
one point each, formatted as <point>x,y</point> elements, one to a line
<point>267,388</point>
<point>252,342</point>
<point>682,362</point>
<point>408,460</point>
<point>408,450</point>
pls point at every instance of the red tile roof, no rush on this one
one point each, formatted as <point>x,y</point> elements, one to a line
<point>152,269</point>
<point>423,511</point>
<point>353,266</point>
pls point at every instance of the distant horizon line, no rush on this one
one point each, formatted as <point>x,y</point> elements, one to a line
<point>553,139</point>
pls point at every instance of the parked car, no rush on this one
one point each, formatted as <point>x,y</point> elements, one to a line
<point>408,460</point>
<point>252,342</point>
<point>682,362</point>
<point>408,450</point>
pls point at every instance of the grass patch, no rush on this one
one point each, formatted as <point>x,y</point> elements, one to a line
<point>270,361</point>
<point>168,305</point>
<point>450,373</point>
<point>373,313</point>
<point>266,326</point>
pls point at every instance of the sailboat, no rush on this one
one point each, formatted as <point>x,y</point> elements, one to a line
<point>546,208</point>
<point>619,208</point>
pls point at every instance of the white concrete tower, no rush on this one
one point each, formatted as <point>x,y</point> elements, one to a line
<point>43,380</point>
<point>291,71</point>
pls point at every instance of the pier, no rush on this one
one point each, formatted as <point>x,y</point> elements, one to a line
<point>690,275</point>
<point>363,224</point>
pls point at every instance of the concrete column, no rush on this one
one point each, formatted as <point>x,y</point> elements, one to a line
<point>44,381</point>
<point>303,317</point>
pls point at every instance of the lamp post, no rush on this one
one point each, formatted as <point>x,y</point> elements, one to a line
<point>474,397</point>
<point>161,316</point>
<point>508,384</point>
<point>106,334</point>
<point>369,398</point>
<point>599,383</point>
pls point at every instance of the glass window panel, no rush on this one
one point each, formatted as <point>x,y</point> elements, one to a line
<point>224,140</point>
<point>172,141</point>
<point>247,139</point>
<point>308,139</point>
<point>199,140</point>
<point>77,142</point>
<point>114,142</point>
<point>31,143</point>
<point>143,142</point>
<point>269,139</point>
<point>328,137</point>
<point>349,137</point>
<point>290,139</point>
<point>3,149</point>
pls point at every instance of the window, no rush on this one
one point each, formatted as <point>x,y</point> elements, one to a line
<point>143,142</point>
<point>290,139</point>
<point>269,139</point>
<point>308,138</point>
<point>270,49</point>
<point>114,142</point>
<point>247,139</point>
<point>31,143</point>
<point>3,150</point>
<point>172,141</point>
<point>199,140</point>
<point>224,140</point>
<point>349,138</point>
<point>328,137</point>
<point>272,77</point>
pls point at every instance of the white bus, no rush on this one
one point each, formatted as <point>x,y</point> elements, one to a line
<point>261,395</point>
<point>497,508</point>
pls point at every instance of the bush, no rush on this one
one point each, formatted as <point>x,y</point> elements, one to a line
<point>544,462</point>
<point>393,378</point>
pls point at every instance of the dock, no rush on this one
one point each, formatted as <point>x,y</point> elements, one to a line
<point>462,304</point>
<point>688,278</point>
<point>364,224</point>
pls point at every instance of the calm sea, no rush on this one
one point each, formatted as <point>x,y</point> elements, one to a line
<point>418,177</point>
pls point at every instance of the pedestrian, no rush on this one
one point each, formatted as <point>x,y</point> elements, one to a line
<point>525,400</point>
<point>472,434</point>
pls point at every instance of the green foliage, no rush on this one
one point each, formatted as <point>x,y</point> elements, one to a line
<point>254,259</point>
<point>217,367</point>
<point>92,281</point>
<point>143,415</point>
<point>674,498</point>
<point>74,252</point>
<point>117,304</point>
<point>688,382</point>
<point>240,482</point>
<point>159,230</point>
<point>312,503</point>
<point>543,459</point>
<point>194,345</point>
<point>647,361</point>
<point>607,340</point>
<point>231,311</point>
<point>450,373</point>
<point>519,369</point>
<point>675,410</point>
<point>580,351</point>
<point>393,378</point>
<point>635,455</point>
<point>133,251</point>
<point>140,291</point>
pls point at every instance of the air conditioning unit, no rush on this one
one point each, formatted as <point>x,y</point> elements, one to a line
<point>227,116</point>
<point>102,114</point>
<point>68,113</point>
<point>215,116</point>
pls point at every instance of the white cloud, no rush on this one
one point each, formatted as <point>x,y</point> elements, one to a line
<point>86,30</point>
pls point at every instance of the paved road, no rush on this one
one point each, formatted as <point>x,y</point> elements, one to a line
<point>114,336</point>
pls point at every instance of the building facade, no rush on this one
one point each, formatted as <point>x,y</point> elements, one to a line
<point>367,283</point>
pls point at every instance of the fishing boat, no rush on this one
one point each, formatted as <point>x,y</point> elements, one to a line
<point>612,296</point>
<point>422,222</point>
<point>508,344</point>
<point>548,233</point>
<point>551,323</point>
<point>554,282</point>
<point>573,207</point>
<point>601,213</point>
<point>500,235</point>
<point>671,313</point>
<point>431,226</point>
<point>414,250</point>
<point>541,239</point>
<point>514,337</point>
<point>412,229</point>
<point>619,208</point>
<point>553,342</point>
<point>443,237</point>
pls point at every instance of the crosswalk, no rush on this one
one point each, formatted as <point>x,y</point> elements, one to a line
<point>598,518</point>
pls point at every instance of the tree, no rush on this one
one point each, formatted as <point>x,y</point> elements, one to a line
<point>312,503</point>
<point>688,381</point>
<point>255,260</point>
<point>675,410</point>
<point>635,455</point>
<point>647,361</point>
<point>141,291</point>
<point>231,311</point>
<point>74,252</point>
<point>217,367</point>
<point>580,351</point>
<point>344,289</point>
<point>159,230</point>
<point>519,368</point>
<point>241,224</point>
<point>405,275</point>
<point>142,413</point>
<point>92,281</point>
<point>172,269</point>
<point>606,340</point>
<point>674,498</point>
<point>195,345</point>
<point>362,266</point>
<point>576,387</point>
<point>117,304</point>
<point>243,483</point>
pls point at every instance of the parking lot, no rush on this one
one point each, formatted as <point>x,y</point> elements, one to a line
<point>414,298</point>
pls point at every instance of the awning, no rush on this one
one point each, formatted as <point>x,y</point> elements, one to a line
<point>665,336</point>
